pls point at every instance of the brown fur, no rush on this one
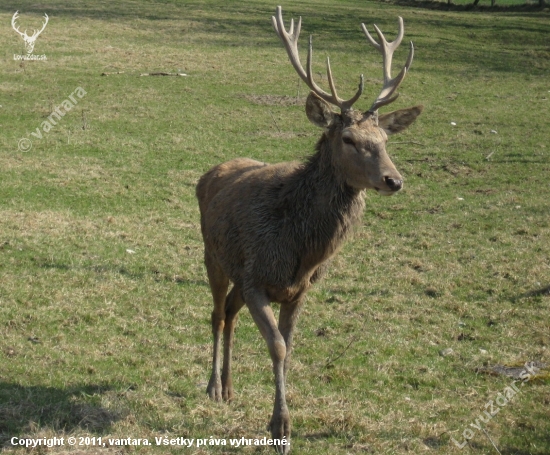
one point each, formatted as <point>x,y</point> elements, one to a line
<point>271,230</point>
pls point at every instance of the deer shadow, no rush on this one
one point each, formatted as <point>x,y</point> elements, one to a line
<point>544,291</point>
<point>23,408</point>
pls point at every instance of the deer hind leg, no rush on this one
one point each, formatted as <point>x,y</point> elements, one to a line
<point>233,304</point>
<point>218,285</point>
<point>260,309</point>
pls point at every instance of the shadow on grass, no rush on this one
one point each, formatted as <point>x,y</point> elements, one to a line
<point>527,440</point>
<point>241,24</point>
<point>23,409</point>
<point>482,444</point>
<point>139,273</point>
<point>545,291</point>
<point>446,6</point>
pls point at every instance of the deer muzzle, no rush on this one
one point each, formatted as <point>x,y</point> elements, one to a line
<point>391,186</point>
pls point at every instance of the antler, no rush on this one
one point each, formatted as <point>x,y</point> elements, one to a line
<point>35,34</point>
<point>13,19</point>
<point>290,40</point>
<point>387,96</point>
<point>24,34</point>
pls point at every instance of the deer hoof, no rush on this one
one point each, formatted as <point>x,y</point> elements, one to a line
<point>214,389</point>
<point>280,429</point>
<point>227,394</point>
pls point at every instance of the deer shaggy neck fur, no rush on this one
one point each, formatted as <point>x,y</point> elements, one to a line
<point>273,226</point>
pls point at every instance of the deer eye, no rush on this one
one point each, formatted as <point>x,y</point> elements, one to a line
<point>348,140</point>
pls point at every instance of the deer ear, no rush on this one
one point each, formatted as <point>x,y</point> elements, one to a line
<point>318,111</point>
<point>397,121</point>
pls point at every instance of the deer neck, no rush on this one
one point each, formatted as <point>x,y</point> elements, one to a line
<point>327,179</point>
<point>326,203</point>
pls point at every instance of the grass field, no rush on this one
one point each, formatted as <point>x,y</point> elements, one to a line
<point>104,303</point>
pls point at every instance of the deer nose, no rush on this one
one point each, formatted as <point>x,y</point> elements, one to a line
<point>393,184</point>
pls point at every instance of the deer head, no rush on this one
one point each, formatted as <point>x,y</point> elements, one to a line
<point>29,40</point>
<point>357,139</point>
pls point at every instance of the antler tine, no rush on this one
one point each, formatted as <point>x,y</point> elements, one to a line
<point>313,86</point>
<point>330,78</point>
<point>13,19</point>
<point>344,105</point>
<point>36,33</point>
<point>45,23</point>
<point>386,95</point>
<point>290,41</point>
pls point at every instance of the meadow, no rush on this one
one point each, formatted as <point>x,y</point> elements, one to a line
<point>104,301</point>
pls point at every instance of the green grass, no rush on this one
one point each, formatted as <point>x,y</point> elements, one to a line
<point>104,303</point>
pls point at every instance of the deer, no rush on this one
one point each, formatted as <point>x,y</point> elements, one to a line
<point>272,229</point>
<point>29,40</point>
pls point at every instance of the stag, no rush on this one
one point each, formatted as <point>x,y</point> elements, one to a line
<point>29,40</point>
<point>271,229</point>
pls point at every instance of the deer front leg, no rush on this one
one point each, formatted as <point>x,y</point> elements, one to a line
<point>263,316</point>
